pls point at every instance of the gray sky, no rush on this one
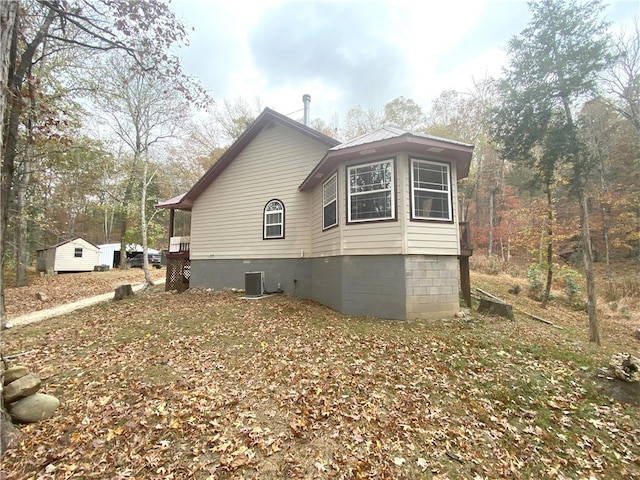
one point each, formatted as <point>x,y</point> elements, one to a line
<point>349,53</point>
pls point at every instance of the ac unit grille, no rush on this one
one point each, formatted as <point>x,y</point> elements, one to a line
<point>253,282</point>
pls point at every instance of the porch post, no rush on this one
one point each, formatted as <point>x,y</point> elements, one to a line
<point>465,280</point>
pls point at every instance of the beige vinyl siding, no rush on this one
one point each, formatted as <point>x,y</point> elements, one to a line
<point>227,218</point>
<point>326,243</point>
<point>363,238</point>
<point>382,238</point>
<point>65,261</point>
<point>375,238</point>
<point>433,237</point>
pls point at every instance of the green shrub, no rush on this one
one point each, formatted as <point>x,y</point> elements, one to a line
<point>572,288</point>
<point>534,277</point>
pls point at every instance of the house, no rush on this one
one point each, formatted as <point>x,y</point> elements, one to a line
<point>73,255</point>
<point>366,227</point>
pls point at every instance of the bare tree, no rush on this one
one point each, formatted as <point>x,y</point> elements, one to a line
<point>131,28</point>
<point>235,116</point>
<point>359,121</point>
<point>142,110</point>
<point>404,113</point>
<point>622,79</point>
<point>622,83</point>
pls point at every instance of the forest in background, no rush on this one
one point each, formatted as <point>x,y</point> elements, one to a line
<point>105,125</point>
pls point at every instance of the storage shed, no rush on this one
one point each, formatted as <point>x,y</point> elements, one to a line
<point>74,255</point>
<point>110,253</point>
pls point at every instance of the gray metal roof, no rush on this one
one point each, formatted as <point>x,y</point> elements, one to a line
<point>386,132</point>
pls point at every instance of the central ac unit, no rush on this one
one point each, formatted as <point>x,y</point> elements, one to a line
<point>253,284</point>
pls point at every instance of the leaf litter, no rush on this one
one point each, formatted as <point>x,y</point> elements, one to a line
<point>206,385</point>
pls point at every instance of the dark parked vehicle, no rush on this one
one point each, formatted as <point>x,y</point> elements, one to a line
<point>138,259</point>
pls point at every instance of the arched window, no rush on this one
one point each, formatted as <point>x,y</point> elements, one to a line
<point>273,220</point>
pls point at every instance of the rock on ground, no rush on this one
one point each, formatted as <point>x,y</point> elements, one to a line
<point>34,408</point>
<point>625,367</point>
<point>14,373</point>
<point>22,387</point>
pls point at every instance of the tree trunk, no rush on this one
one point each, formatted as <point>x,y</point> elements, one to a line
<point>124,220</point>
<point>109,218</point>
<point>594,333</point>
<point>11,116</point>
<point>547,288</point>
<point>122,292</point>
<point>8,42</point>
<point>22,252</point>
<point>8,22</point>
<point>603,215</point>
<point>8,47</point>
<point>490,236</point>
<point>143,221</point>
<point>22,184</point>
<point>605,238</point>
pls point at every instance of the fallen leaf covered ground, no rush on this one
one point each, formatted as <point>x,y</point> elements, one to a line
<point>207,385</point>
<point>69,287</point>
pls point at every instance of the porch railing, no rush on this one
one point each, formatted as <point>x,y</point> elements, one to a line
<point>179,244</point>
<point>178,264</point>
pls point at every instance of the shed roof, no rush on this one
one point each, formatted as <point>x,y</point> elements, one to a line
<point>59,244</point>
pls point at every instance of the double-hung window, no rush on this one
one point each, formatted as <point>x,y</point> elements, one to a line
<point>330,202</point>
<point>77,252</point>
<point>371,191</point>
<point>273,220</point>
<point>430,190</point>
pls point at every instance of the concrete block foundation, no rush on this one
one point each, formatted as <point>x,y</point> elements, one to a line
<point>398,287</point>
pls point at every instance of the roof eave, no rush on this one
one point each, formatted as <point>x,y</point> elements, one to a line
<point>460,154</point>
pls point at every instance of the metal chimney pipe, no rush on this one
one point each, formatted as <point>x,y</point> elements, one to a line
<point>306,99</point>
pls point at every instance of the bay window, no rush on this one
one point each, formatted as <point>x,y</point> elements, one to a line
<point>371,194</point>
<point>430,190</point>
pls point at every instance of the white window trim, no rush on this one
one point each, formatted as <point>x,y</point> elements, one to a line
<point>334,179</point>
<point>273,224</point>
<point>392,189</point>
<point>447,191</point>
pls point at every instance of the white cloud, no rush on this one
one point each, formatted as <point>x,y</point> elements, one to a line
<point>351,52</point>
